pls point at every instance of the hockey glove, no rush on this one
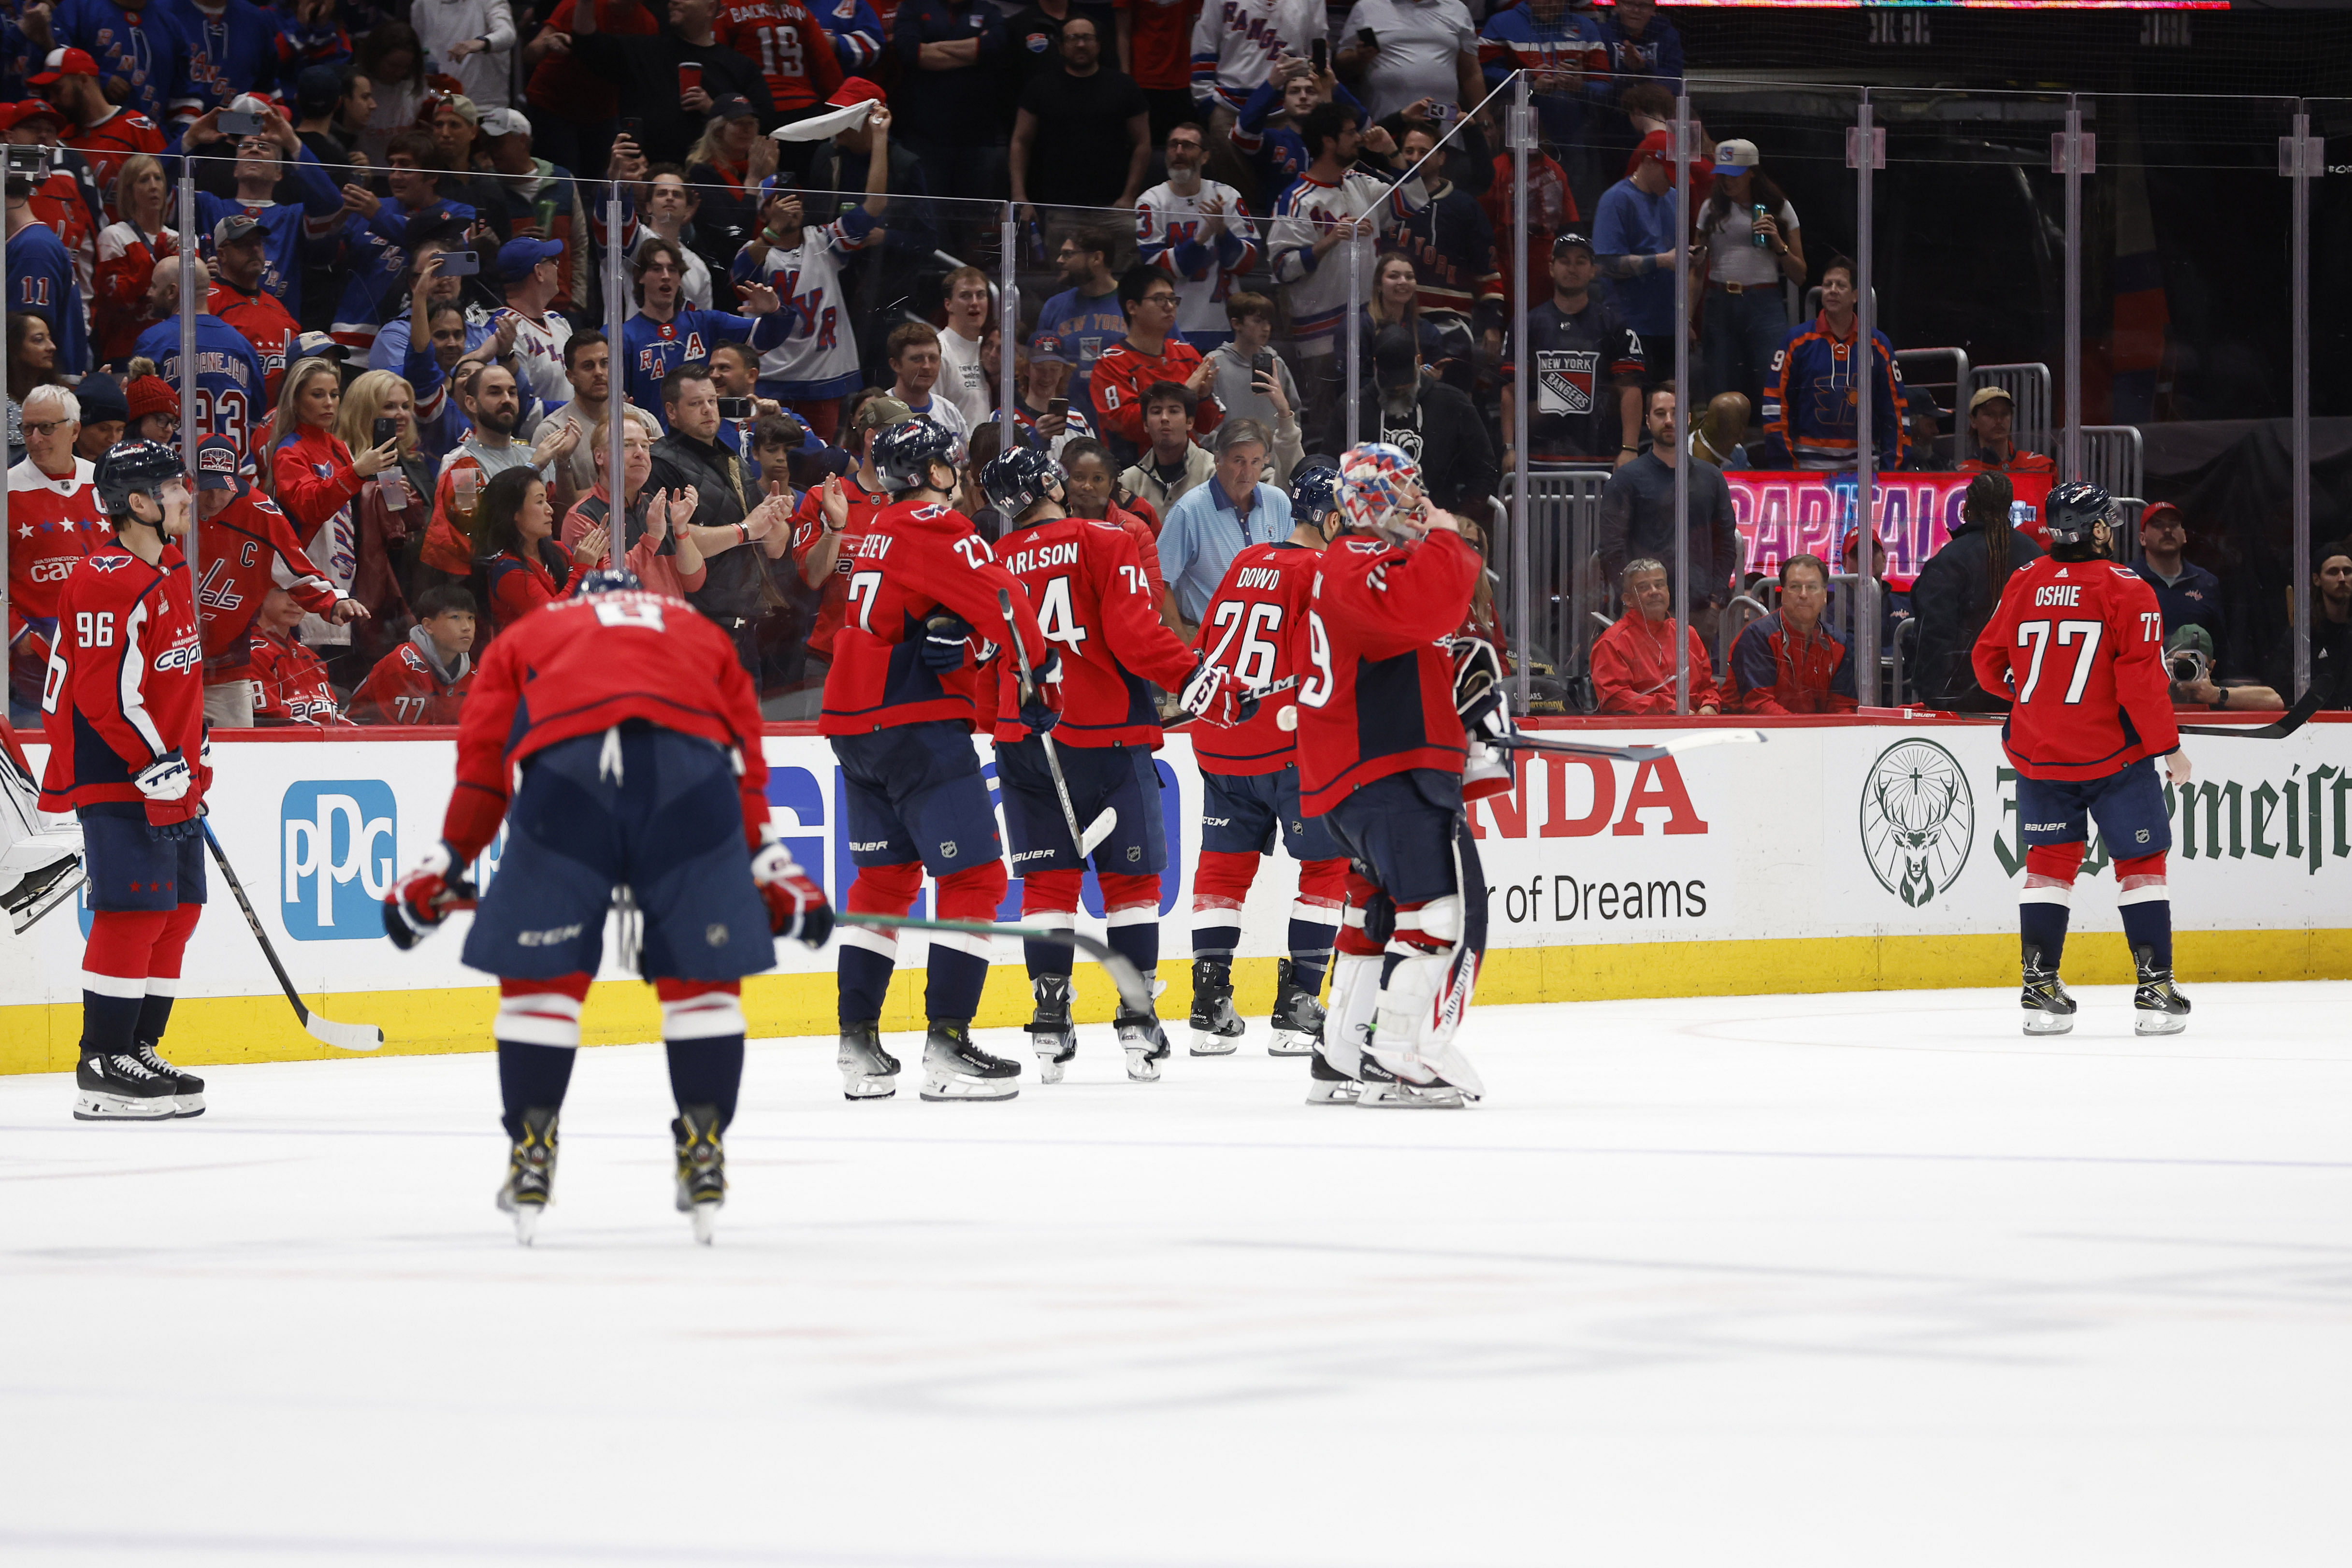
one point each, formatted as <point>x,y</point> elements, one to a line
<point>796,906</point>
<point>1216,696</point>
<point>167,777</point>
<point>944,643</point>
<point>1041,705</point>
<point>1478,689</point>
<point>425,895</point>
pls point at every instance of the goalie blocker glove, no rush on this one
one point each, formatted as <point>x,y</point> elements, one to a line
<point>426,895</point>
<point>796,906</point>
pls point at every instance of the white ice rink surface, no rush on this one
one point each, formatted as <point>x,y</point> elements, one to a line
<point>1861,1279</point>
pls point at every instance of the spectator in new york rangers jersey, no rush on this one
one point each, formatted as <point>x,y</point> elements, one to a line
<point>1267,134</point>
<point>1236,43</point>
<point>816,364</point>
<point>1336,201</point>
<point>531,271</point>
<point>261,158</point>
<point>141,50</point>
<point>1084,319</point>
<point>1588,371</point>
<point>229,385</point>
<point>1196,231</point>
<point>41,281</point>
<point>1561,51</point>
<point>232,50</point>
<point>662,335</point>
<point>856,33</point>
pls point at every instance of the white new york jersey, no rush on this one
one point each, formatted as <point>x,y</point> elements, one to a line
<point>1171,233</point>
<point>819,359</point>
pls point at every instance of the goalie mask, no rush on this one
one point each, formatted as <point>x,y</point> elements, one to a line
<point>1380,490</point>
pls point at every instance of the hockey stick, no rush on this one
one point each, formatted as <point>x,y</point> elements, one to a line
<point>2286,724</point>
<point>1132,989</point>
<point>1520,740</point>
<point>1100,828</point>
<point>342,1036</point>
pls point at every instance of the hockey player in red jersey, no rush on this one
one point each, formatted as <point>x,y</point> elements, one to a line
<point>900,703</point>
<point>631,736</point>
<point>1380,758</point>
<point>246,543</point>
<point>1249,778</point>
<point>2077,646</point>
<point>125,707</point>
<point>1094,604</point>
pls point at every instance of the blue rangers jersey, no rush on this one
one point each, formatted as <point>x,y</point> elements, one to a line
<point>145,48</point>
<point>233,53</point>
<point>41,282</point>
<point>285,227</point>
<point>653,348</point>
<point>228,382</point>
<point>856,33</point>
<point>819,359</point>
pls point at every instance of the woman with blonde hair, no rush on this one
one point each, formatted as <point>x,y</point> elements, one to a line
<point>394,505</point>
<point>316,478</point>
<point>127,254</point>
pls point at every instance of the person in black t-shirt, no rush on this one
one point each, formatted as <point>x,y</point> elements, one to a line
<point>1582,347</point>
<point>1083,135</point>
<point>1032,38</point>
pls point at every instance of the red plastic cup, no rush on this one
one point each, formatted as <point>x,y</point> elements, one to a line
<point>689,76</point>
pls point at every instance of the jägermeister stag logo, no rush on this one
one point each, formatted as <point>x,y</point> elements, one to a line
<point>1918,820</point>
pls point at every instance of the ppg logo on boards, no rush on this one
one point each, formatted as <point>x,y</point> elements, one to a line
<point>336,842</point>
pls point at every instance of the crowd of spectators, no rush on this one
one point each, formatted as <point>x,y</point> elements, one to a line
<point>402,216</point>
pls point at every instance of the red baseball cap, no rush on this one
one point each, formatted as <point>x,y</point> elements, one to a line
<point>15,114</point>
<point>852,92</point>
<point>63,63</point>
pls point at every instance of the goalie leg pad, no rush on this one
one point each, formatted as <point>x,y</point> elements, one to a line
<point>1348,1026</point>
<point>1423,998</point>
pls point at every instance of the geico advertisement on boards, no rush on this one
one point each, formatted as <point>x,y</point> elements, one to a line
<point>1852,830</point>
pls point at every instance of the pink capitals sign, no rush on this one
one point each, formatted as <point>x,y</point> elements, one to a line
<point>1790,512</point>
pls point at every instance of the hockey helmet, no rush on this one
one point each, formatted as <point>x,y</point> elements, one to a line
<point>903,454</point>
<point>2073,509</point>
<point>610,579</point>
<point>1314,493</point>
<point>1379,487</point>
<point>1017,480</point>
<point>134,468</point>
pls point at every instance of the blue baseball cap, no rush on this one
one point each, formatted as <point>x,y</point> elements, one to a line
<point>517,256</point>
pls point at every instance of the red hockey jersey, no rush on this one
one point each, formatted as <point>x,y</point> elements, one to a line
<point>52,524</point>
<point>917,560</point>
<point>1378,698</point>
<point>2079,648</point>
<point>578,665</point>
<point>790,46</point>
<point>125,683</point>
<point>407,686</point>
<point>1124,374</point>
<point>1096,604</point>
<point>808,527</point>
<point>1252,628</point>
<point>267,325</point>
<point>290,685</point>
<point>237,549</point>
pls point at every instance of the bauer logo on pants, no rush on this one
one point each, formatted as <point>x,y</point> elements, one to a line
<point>336,842</point>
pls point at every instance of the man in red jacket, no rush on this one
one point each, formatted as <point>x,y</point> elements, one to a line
<point>1151,354</point>
<point>1790,661</point>
<point>126,734</point>
<point>1634,660</point>
<point>1380,755</point>
<point>2077,645</point>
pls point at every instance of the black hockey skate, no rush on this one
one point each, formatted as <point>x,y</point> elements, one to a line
<point>2157,1006</point>
<point>122,1088</point>
<point>530,1173</point>
<point>1384,1091</point>
<point>701,1167</point>
<point>1215,1024</point>
<point>955,1069</point>
<point>187,1089</point>
<point>868,1072</point>
<point>1051,1035</point>
<point>1298,1016</point>
<point>2048,1008</point>
<point>1145,1042</point>
<point>1326,1085</point>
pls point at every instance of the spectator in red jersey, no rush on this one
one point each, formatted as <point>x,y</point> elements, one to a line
<point>289,682</point>
<point>1151,353</point>
<point>127,250</point>
<point>656,543</point>
<point>1634,660</point>
<point>317,478</point>
<point>104,133</point>
<point>423,680</point>
<point>245,544</point>
<point>573,109</point>
<point>55,518</point>
<point>1789,662</point>
<point>1551,212</point>
<point>518,557</point>
<point>240,247</point>
<point>792,48</point>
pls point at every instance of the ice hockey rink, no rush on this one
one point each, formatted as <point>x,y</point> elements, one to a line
<point>1824,1279</point>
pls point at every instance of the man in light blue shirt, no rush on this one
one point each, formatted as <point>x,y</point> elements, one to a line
<point>1634,241</point>
<point>1210,524</point>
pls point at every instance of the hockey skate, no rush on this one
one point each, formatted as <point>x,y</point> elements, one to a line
<point>122,1088</point>
<point>530,1173</point>
<point>1145,1042</point>
<point>1051,1035</point>
<point>955,1069</point>
<point>2157,1006</point>
<point>187,1089</point>
<point>1326,1085</point>
<point>868,1072</point>
<point>1298,1016</point>
<point>1411,1042</point>
<point>2048,1008</point>
<point>701,1167</point>
<point>1215,1024</point>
